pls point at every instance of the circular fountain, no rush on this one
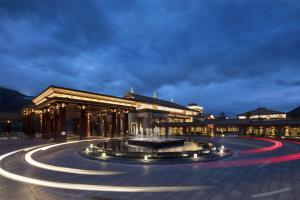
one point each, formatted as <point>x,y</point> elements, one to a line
<point>154,150</point>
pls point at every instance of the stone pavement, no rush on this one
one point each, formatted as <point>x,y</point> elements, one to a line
<point>278,181</point>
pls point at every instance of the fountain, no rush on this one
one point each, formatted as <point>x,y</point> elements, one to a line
<point>152,147</point>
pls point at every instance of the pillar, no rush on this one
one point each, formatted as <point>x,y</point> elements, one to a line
<point>99,125</point>
<point>43,124</point>
<point>113,123</point>
<point>30,125</point>
<point>89,124</point>
<point>83,123</point>
<point>47,124</point>
<point>167,130</point>
<point>61,133</point>
<point>56,132</point>
<point>125,124</point>
<point>118,124</point>
<point>184,130</point>
<point>105,125</point>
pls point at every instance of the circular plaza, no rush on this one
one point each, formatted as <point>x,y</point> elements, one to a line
<point>59,171</point>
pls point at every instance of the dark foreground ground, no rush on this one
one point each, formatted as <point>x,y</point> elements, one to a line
<point>261,173</point>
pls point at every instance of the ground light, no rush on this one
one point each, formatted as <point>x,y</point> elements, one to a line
<point>103,155</point>
<point>146,158</point>
<point>221,150</point>
<point>195,156</point>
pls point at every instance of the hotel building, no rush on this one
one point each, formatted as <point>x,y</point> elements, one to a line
<point>59,113</point>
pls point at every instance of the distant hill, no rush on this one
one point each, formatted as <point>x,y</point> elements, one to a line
<point>295,113</point>
<point>13,101</point>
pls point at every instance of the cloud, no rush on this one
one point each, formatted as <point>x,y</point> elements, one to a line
<point>226,55</point>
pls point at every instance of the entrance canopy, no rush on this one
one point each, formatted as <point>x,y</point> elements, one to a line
<point>59,94</point>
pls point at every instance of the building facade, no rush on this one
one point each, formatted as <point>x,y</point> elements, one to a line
<point>59,113</point>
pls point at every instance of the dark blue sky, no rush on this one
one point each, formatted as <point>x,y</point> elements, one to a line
<point>228,56</point>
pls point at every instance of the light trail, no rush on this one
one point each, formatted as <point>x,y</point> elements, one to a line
<point>276,145</point>
<point>271,193</point>
<point>89,187</point>
<point>31,161</point>
<point>251,162</point>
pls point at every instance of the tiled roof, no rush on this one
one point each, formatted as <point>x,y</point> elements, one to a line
<point>141,98</point>
<point>261,111</point>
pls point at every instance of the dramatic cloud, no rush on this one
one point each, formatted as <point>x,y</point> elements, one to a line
<point>225,55</point>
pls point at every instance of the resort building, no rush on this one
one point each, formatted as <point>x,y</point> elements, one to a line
<point>262,113</point>
<point>59,113</point>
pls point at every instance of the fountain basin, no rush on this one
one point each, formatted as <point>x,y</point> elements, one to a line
<point>156,143</point>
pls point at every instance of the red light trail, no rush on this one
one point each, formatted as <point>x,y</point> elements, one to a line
<point>276,145</point>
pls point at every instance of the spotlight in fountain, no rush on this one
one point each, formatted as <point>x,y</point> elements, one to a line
<point>146,158</point>
<point>221,150</point>
<point>195,156</point>
<point>91,146</point>
<point>103,155</point>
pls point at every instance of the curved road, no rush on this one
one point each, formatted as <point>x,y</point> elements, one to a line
<point>259,169</point>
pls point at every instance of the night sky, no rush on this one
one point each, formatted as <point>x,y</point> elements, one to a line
<point>229,56</point>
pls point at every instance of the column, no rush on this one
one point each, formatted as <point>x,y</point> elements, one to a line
<point>52,125</point>
<point>88,125</point>
<point>125,124</point>
<point>113,123</point>
<point>167,130</point>
<point>184,130</point>
<point>105,125</point>
<point>83,123</point>
<point>56,132</point>
<point>242,131</point>
<point>31,128</point>
<point>138,126</point>
<point>47,125</point>
<point>43,124</point>
<point>99,125</point>
<point>118,123</point>
<point>62,122</point>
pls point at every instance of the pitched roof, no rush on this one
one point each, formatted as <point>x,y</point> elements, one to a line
<point>261,111</point>
<point>141,98</point>
<point>192,104</point>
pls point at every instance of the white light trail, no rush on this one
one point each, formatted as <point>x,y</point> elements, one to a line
<point>28,159</point>
<point>89,187</point>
